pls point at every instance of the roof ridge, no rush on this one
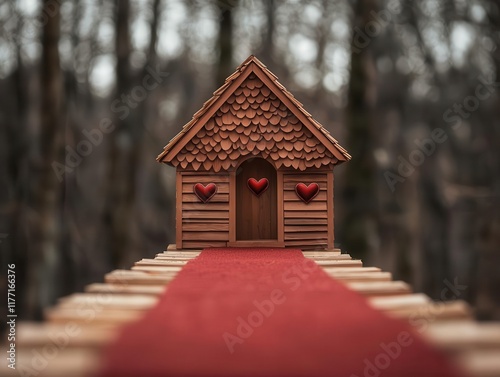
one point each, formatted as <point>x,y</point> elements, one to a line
<point>223,89</point>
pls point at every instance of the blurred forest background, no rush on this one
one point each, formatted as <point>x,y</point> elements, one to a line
<point>384,77</point>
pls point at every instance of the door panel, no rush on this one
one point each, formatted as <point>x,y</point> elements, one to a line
<point>256,217</point>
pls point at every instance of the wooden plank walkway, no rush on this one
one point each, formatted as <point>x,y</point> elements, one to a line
<point>82,323</point>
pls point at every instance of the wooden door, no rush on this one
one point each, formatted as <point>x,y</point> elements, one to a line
<point>256,217</point>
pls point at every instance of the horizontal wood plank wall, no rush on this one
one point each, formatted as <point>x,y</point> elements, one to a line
<point>331,217</point>
<point>306,225</point>
<point>205,224</point>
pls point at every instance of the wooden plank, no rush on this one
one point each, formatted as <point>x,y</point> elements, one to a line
<point>435,311</point>
<point>154,290</point>
<point>98,301</point>
<point>305,228</point>
<point>463,335</point>
<point>164,270</point>
<point>326,258</point>
<point>351,269</point>
<point>68,362</point>
<point>217,198</point>
<point>381,288</point>
<point>388,303</point>
<point>102,317</point>
<point>187,216</point>
<point>312,221</point>
<point>301,206</point>
<point>307,236</point>
<point>232,207</point>
<point>210,206</point>
<point>204,220</point>
<point>331,249</point>
<point>305,215</point>
<point>362,276</point>
<point>202,245</point>
<point>340,263</point>
<point>326,253</point>
<point>178,209</point>
<point>330,212</point>
<point>205,236</point>
<point>161,262</point>
<point>280,207</point>
<point>169,256</point>
<point>182,253</point>
<point>480,363</point>
<point>137,277</point>
<point>310,244</point>
<point>34,334</point>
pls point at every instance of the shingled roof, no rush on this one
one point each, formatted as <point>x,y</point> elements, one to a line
<point>252,114</point>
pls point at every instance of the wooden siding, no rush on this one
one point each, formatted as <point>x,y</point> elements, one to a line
<point>204,224</point>
<point>306,225</point>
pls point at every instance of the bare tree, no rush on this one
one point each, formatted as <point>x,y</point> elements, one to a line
<point>121,176</point>
<point>359,225</point>
<point>225,43</point>
<point>45,239</point>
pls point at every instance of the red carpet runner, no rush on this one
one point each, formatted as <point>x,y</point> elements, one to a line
<point>250,312</point>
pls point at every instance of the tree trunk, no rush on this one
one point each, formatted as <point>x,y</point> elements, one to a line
<point>121,176</point>
<point>45,240</point>
<point>225,66</point>
<point>359,226</point>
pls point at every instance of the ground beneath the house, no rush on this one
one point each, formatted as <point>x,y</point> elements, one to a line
<point>266,312</point>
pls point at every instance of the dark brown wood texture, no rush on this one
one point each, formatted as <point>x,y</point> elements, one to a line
<point>306,225</point>
<point>204,224</point>
<point>256,217</point>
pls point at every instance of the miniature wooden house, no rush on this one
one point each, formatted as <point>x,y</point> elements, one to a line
<point>253,168</point>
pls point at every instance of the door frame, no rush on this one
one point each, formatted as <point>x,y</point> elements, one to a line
<point>233,242</point>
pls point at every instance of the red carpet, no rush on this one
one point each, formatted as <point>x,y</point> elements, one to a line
<point>250,312</point>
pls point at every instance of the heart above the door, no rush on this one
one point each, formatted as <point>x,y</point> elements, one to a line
<point>258,187</point>
<point>307,192</point>
<point>205,193</point>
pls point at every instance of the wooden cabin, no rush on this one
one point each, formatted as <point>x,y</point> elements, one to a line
<point>254,168</point>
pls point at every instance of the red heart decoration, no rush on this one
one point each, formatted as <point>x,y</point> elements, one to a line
<point>307,193</point>
<point>258,187</point>
<point>205,193</point>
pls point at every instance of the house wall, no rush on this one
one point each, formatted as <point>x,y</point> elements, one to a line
<point>308,225</point>
<point>203,224</point>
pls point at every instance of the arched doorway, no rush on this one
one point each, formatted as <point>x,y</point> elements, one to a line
<point>256,216</point>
